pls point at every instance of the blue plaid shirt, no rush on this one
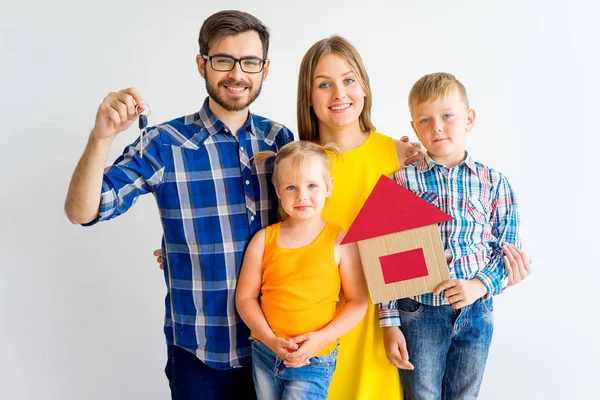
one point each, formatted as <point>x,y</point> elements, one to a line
<point>485,214</point>
<point>212,199</point>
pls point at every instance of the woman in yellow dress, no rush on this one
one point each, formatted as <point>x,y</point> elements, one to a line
<point>334,105</point>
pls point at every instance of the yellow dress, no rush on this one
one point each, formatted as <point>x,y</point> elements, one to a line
<point>363,371</point>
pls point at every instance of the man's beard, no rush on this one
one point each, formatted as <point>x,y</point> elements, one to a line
<point>232,104</point>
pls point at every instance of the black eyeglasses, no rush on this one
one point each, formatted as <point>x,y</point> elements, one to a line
<point>250,65</point>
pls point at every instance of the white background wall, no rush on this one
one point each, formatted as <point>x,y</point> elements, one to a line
<point>81,308</point>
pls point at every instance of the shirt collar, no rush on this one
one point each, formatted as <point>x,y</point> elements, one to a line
<point>209,121</point>
<point>427,163</point>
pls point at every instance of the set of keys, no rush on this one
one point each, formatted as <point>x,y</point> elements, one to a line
<point>142,124</point>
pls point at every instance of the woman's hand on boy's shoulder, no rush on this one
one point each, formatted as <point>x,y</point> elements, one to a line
<point>409,152</point>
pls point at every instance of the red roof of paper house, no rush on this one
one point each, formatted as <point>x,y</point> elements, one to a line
<point>391,208</point>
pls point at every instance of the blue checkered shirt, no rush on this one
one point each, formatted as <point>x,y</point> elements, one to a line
<point>212,199</point>
<point>484,209</point>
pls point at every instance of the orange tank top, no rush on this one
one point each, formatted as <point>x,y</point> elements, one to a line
<point>300,286</point>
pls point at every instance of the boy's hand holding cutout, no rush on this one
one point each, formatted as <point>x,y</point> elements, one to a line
<point>395,347</point>
<point>461,292</point>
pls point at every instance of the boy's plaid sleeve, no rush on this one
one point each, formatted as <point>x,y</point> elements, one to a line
<point>388,314</point>
<point>505,227</point>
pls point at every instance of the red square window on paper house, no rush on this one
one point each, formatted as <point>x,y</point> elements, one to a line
<point>403,266</point>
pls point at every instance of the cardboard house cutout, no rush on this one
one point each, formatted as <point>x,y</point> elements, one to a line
<point>399,242</point>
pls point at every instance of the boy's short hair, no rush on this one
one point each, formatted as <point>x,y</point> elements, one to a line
<point>434,86</point>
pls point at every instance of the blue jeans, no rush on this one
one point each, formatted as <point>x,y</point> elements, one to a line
<point>447,347</point>
<point>191,379</point>
<point>273,380</point>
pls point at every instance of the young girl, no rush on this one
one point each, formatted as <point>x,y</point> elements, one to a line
<point>289,284</point>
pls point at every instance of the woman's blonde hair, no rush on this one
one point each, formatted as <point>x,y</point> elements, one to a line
<point>300,152</point>
<point>308,123</point>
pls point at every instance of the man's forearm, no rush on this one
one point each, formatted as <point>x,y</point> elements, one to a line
<point>83,197</point>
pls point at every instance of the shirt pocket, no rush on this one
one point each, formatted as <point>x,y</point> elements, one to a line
<point>477,210</point>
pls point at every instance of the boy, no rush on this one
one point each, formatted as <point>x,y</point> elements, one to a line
<point>447,333</point>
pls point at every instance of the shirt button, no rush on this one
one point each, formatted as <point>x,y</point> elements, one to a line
<point>247,182</point>
<point>252,218</point>
<point>226,130</point>
<point>242,148</point>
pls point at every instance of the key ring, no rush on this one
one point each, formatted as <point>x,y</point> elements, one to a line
<point>148,109</point>
<point>142,124</point>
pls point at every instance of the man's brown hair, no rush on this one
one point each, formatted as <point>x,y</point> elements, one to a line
<point>231,22</point>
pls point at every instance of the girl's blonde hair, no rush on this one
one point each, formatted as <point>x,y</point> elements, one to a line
<point>308,124</point>
<point>300,152</point>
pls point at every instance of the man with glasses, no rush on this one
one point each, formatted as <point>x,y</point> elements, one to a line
<point>211,197</point>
